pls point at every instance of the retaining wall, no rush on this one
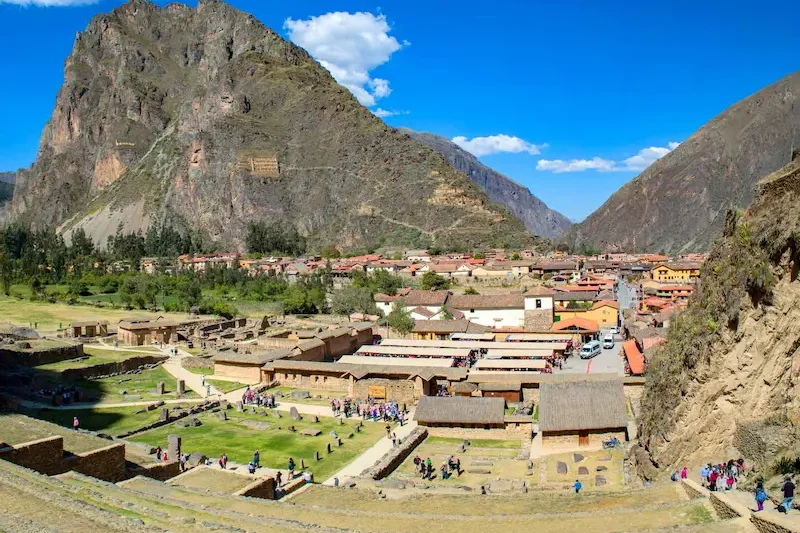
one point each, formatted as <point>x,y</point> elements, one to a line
<point>43,455</point>
<point>389,462</point>
<point>160,471</point>
<point>106,463</point>
<point>35,357</point>
<point>769,523</point>
<point>260,488</point>
<point>112,369</point>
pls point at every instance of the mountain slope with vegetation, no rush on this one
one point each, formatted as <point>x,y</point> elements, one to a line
<point>679,203</point>
<point>204,120</point>
<point>731,360</point>
<point>537,217</point>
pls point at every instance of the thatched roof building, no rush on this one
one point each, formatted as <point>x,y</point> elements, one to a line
<point>582,406</point>
<point>459,411</point>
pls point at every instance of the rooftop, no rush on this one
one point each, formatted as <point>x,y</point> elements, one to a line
<point>582,405</point>
<point>459,410</point>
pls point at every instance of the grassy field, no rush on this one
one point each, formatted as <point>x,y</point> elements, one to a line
<point>313,400</point>
<point>50,316</point>
<point>15,429</point>
<point>141,386</point>
<point>112,421</point>
<point>237,440</point>
<point>225,386</point>
<point>474,443</point>
<point>591,461</point>
<point>201,371</point>
<point>216,480</point>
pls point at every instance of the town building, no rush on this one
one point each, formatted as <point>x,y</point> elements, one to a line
<point>677,272</point>
<point>144,331</point>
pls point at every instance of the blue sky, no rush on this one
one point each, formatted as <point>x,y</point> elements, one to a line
<point>566,98</point>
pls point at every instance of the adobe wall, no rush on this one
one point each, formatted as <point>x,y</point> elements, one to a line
<point>106,463</point>
<point>478,433</point>
<point>400,390</point>
<point>396,455</point>
<point>311,381</point>
<point>596,439</point>
<point>43,455</point>
<point>315,354</point>
<point>40,357</point>
<point>114,368</point>
<point>336,346</point>
<point>260,488</point>
<point>250,373</point>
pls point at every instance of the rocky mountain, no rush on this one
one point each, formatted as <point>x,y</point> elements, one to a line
<point>204,119</point>
<point>8,177</point>
<point>537,217</point>
<point>679,203</point>
<point>726,382</point>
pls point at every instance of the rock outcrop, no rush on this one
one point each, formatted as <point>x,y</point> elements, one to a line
<point>205,120</point>
<point>534,213</point>
<point>729,369</point>
<point>679,202</point>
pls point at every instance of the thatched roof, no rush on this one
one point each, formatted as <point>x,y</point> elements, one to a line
<point>582,405</point>
<point>509,386</point>
<point>359,371</point>
<point>460,410</point>
<point>463,387</point>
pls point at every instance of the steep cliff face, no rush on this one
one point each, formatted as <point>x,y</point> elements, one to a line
<point>679,203</point>
<point>731,361</point>
<point>537,217</point>
<point>205,119</point>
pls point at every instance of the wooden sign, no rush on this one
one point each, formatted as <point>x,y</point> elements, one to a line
<point>377,391</point>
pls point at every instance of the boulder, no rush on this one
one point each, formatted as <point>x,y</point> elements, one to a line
<point>583,471</point>
<point>576,457</point>
<point>300,395</point>
<point>311,432</point>
<point>561,467</point>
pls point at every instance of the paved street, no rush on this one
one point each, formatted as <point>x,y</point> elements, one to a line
<point>607,362</point>
<point>626,296</point>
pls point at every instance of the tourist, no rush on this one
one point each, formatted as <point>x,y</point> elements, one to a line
<point>704,473</point>
<point>729,479</point>
<point>429,467</point>
<point>257,459</point>
<point>388,430</point>
<point>675,476</point>
<point>75,423</point>
<point>251,468</point>
<point>184,458</point>
<point>788,494</point>
<point>278,478</point>
<point>208,390</point>
<point>158,453</point>
<point>761,496</point>
<point>483,490</point>
<point>577,486</point>
<point>458,467</point>
<point>165,457</point>
<point>203,380</point>
<point>307,477</point>
<point>223,460</point>
<point>684,473</point>
<point>291,468</point>
<point>443,470</point>
<point>394,440</point>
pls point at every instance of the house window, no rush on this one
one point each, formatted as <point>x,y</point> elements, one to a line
<point>471,310</point>
<point>538,303</point>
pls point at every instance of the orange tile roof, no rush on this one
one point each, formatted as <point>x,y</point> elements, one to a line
<point>634,356</point>
<point>609,303</point>
<point>585,324</point>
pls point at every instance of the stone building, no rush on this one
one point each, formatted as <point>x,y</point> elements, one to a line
<point>143,331</point>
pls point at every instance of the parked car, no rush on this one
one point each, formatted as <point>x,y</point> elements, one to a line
<point>590,349</point>
<point>608,341</point>
<point>614,330</point>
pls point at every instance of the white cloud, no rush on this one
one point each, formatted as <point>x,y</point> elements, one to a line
<point>49,3</point>
<point>383,113</point>
<point>643,159</point>
<point>575,165</point>
<point>349,45</point>
<point>495,144</point>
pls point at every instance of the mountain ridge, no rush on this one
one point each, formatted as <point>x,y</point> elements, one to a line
<point>678,204</point>
<point>202,118</point>
<point>534,213</point>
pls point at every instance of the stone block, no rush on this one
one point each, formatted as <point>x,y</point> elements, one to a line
<point>300,395</point>
<point>164,415</point>
<point>561,467</point>
<point>160,388</point>
<point>311,432</point>
<point>316,456</point>
<point>583,471</point>
<point>576,457</point>
<point>174,446</point>
<point>294,414</point>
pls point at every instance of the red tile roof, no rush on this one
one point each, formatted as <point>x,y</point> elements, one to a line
<point>634,356</point>
<point>584,324</point>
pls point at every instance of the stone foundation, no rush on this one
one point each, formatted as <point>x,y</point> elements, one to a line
<point>389,462</point>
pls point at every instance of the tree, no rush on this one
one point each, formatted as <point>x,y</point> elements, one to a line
<point>516,257</point>
<point>353,300</point>
<point>431,281</point>
<point>471,291</point>
<point>82,244</point>
<point>400,318</point>
<point>330,252</point>
<point>386,283</point>
<point>5,274</point>
<point>479,255</point>
<point>446,314</point>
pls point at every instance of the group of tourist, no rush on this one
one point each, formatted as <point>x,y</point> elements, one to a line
<point>369,409</point>
<point>719,477</point>
<point>261,400</point>
<point>61,395</point>
<point>449,467</point>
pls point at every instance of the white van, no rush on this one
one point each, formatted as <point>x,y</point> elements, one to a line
<point>608,341</point>
<point>590,349</point>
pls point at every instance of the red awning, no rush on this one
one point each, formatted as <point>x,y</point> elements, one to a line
<point>634,356</point>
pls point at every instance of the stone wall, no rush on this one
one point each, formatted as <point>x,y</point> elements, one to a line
<point>34,357</point>
<point>768,523</point>
<point>197,362</point>
<point>43,455</point>
<point>261,488</point>
<point>596,439</point>
<point>247,373</point>
<point>312,381</point>
<point>113,369</point>
<point>160,471</point>
<point>693,489</point>
<point>762,440</point>
<point>106,463</point>
<point>173,416</point>
<point>389,462</point>
<point>397,390</point>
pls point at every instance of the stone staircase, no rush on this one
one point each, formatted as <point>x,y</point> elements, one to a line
<point>75,502</point>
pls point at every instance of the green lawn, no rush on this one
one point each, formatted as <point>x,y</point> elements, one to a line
<point>225,386</point>
<point>276,445</point>
<point>475,443</point>
<point>113,421</point>
<point>325,400</point>
<point>141,386</point>
<point>201,371</point>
